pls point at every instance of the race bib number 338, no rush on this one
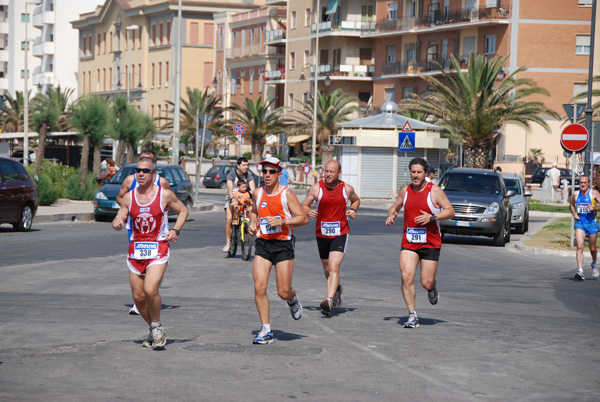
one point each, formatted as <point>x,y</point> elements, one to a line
<point>145,250</point>
<point>416,235</point>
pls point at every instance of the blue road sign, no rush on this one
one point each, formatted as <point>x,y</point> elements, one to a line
<point>406,141</point>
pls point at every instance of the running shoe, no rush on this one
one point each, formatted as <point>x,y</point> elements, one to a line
<point>579,275</point>
<point>296,310</point>
<point>149,340</point>
<point>433,296</point>
<point>413,321</point>
<point>326,306</point>
<point>595,272</point>
<point>264,337</point>
<point>337,297</point>
<point>159,340</point>
<point>134,310</point>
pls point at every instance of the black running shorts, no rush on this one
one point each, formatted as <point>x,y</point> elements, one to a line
<point>327,245</point>
<point>431,254</point>
<point>275,250</point>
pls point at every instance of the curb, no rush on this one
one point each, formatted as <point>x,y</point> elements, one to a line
<point>545,251</point>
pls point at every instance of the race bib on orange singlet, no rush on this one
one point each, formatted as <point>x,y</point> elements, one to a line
<point>266,229</point>
<point>145,250</point>
<point>330,228</point>
<point>416,235</point>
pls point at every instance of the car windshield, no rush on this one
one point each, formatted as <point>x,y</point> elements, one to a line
<point>119,178</point>
<point>470,183</point>
<point>513,184</point>
<point>213,170</point>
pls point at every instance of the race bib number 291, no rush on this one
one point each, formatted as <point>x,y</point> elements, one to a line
<point>416,235</point>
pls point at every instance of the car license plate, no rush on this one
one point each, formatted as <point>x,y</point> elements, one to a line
<point>116,205</point>
<point>463,223</point>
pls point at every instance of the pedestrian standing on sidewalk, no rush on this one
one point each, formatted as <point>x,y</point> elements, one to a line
<point>148,252</point>
<point>332,229</point>
<point>583,207</point>
<point>275,212</point>
<point>424,205</point>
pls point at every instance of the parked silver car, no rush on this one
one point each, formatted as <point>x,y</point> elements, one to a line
<point>519,202</point>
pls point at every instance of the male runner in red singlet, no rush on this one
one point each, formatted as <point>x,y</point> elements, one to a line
<point>332,228</point>
<point>278,211</point>
<point>148,254</point>
<point>424,205</point>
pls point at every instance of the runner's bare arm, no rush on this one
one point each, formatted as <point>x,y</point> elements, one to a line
<point>164,183</point>
<point>298,218</point>
<point>172,202</point>
<point>124,188</point>
<point>253,214</point>
<point>439,198</point>
<point>123,213</point>
<point>393,211</point>
<point>312,195</point>
<point>574,208</point>
<point>355,202</point>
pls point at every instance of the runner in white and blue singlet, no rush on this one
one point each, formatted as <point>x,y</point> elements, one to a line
<point>584,205</point>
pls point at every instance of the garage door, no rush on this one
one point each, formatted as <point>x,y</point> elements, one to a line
<point>376,172</point>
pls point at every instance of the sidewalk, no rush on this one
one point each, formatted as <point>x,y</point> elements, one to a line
<point>78,211</point>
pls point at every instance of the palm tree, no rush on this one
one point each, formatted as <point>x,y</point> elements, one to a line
<point>12,112</point>
<point>204,102</point>
<point>259,121</point>
<point>332,109</point>
<point>468,105</point>
<point>43,120</point>
<point>141,127</point>
<point>62,99</point>
<point>89,115</point>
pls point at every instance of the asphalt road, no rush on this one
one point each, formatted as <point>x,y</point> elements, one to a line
<point>509,326</point>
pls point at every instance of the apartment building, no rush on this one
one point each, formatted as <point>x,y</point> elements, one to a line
<point>129,47</point>
<point>52,52</point>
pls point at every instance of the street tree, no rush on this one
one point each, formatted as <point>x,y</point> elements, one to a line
<point>43,120</point>
<point>13,112</point>
<point>472,107</point>
<point>259,121</point>
<point>332,109</point>
<point>89,116</point>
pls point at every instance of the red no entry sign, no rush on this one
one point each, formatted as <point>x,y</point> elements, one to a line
<point>574,138</point>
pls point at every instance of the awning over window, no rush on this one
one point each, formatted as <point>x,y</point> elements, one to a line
<point>332,7</point>
<point>293,139</point>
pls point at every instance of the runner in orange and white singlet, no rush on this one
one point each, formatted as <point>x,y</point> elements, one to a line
<point>148,252</point>
<point>275,212</point>
<point>424,205</point>
<point>332,229</point>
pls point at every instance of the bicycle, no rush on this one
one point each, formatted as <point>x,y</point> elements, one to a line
<point>240,233</point>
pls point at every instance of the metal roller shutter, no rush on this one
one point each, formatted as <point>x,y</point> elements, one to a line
<point>376,172</point>
<point>403,171</point>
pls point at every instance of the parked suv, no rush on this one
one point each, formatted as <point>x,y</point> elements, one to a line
<point>481,204</point>
<point>105,201</point>
<point>18,195</point>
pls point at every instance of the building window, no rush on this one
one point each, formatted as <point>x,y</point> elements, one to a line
<point>584,3</point>
<point>408,92</point>
<point>153,71</point>
<point>468,46</point>
<point>104,79</point>
<point>140,39</point>
<point>251,80</point>
<point>132,40</point>
<point>251,40</point>
<point>393,11</point>
<point>490,44</point>
<point>23,73</point>
<point>292,60</point>
<point>90,45</point>
<point>84,50</point>
<point>168,33</point>
<point>390,95</point>
<point>306,61</point>
<point>24,17</point>
<point>166,73</point>
<point>410,52</point>
<point>219,82</point>
<point>366,14</point>
<point>579,88</point>
<point>83,82</point>
<point>153,35</point>
<point>220,39</point>
<point>140,74</point>
<point>160,33</point>
<point>391,53</point>
<point>243,46</point>
<point>411,9</point>
<point>159,115</point>
<point>307,14</point>
<point>260,80</point>
<point>111,42</point>
<point>582,44</point>
<point>261,39</point>
<point>194,33</point>
<point>23,46</point>
<point>293,20</point>
<point>304,100</point>
<point>99,40</point>
<point>159,74</point>
<point>291,100</point>
<point>104,42</point>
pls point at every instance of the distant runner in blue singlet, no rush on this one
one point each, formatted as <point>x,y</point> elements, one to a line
<point>584,205</point>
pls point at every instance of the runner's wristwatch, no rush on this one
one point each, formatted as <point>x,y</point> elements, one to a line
<point>176,231</point>
<point>433,218</point>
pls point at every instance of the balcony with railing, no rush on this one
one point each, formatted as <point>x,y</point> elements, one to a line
<point>253,51</point>
<point>344,28</point>
<point>275,75</point>
<point>349,72</point>
<point>275,37</point>
<point>435,19</point>
<point>424,67</point>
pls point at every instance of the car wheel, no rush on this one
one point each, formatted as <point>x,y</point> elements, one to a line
<point>222,185</point>
<point>25,220</point>
<point>500,237</point>
<point>526,223</point>
<point>507,225</point>
<point>99,218</point>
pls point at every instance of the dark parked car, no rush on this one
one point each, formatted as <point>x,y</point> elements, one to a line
<point>18,195</point>
<point>105,201</point>
<point>540,174</point>
<point>216,177</point>
<point>481,204</point>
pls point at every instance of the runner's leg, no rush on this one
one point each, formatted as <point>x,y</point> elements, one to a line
<point>408,267</point>
<point>139,297</point>
<point>284,271</point>
<point>228,228</point>
<point>261,271</point>
<point>332,271</point>
<point>428,271</point>
<point>580,237</point>
<point>593,251</point>
<point>154,275</point>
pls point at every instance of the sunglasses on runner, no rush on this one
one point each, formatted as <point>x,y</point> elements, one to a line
<point>143,170</point>
<point>270,171</point>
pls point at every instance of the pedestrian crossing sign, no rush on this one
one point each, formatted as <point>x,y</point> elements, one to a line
<point>406,141</point>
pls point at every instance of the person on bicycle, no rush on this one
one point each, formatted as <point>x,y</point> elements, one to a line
<point>242,197</point>
<point>240,173</point>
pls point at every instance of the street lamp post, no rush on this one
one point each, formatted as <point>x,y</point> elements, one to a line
<point>129,28</point>
<point>26,88</point>
<point>316,91</point>
<point>177,91</point>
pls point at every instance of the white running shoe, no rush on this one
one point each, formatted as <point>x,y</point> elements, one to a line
<point>579,275</point>
<point>595,272</point>
<point>296,310</point>
<point>159,340</point>
<point>149,340</point>
<point>134,310</point>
